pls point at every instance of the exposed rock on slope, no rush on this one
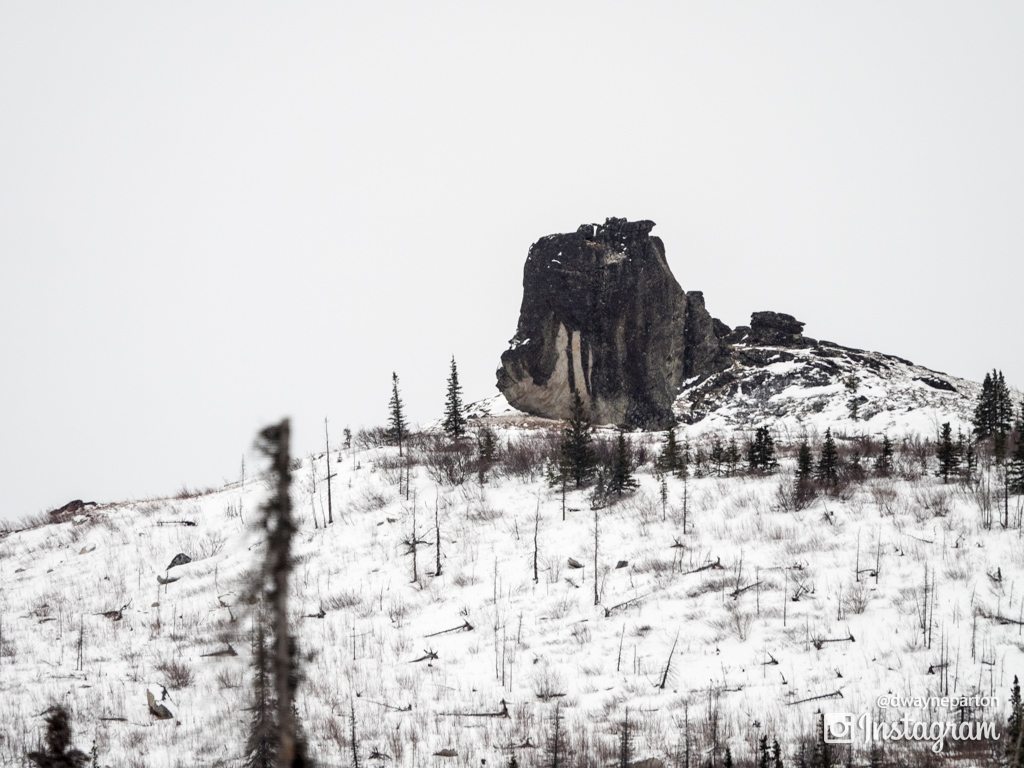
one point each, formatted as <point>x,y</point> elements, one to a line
<point>778,377</point>
<point>602,315</point>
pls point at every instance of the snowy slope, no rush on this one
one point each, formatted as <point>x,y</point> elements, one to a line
<point>531,644</point>
<point>804,389</point>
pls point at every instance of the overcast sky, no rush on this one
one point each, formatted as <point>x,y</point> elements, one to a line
<point>215,214</point>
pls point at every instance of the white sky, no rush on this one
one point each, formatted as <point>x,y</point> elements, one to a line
<point>213,214</point>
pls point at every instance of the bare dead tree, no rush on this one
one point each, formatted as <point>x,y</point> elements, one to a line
<point>330,475</point>
<point>536,532</point>
<point>668,664</point>
<point>437,540</point>
<point>597,539</point>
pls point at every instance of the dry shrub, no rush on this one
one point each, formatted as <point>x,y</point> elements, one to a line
<point>547,683</point>
<point>448,462</point>
<point>526,456</point>
<point>370,501</point>
<point>343,601</point>
<point>856,600</point>
<point>372,437</point>
<point>176,673</point>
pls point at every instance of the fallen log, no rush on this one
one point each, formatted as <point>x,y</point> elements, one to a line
<point>463,627</point>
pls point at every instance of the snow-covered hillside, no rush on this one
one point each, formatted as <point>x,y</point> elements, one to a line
<point>773,614</point>
<point>802,389</point>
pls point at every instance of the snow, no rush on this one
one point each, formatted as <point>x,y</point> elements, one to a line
<point>55,580</point>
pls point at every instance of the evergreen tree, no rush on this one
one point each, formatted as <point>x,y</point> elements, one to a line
<point>727,760</point>
<point>1002,406</point>
<point>993,414</point>
<point>261,745</point>
<point>454,419</point>
<point>777,761</point>
<point>672,459</point>
<point>353,737</point>
<point>1013,722</point>
<point>821,756</point>
<point>1015,468</point>
<point>578,459</point>
<point>764,756</point>
<point>761,452</point>
<point>625,742</point>
<point>58,752</point>
<point>970,464</point>
<point>396,420</point>
<point>804,480</point>
<point>717,454</point>
<point>828,462</point>
<point>556,739</point>
<point>984,412</point>
<point>732,457</point>
<point>883,462</point>
<point>621,477</point>
<point>272,581</point>
<point>486,451</point>
<point>946,452</point>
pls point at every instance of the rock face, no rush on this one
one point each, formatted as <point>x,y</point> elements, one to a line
<point>602,315</point>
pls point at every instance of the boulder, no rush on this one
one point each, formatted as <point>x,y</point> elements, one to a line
<point>602,315</point>
<point>771,329</point>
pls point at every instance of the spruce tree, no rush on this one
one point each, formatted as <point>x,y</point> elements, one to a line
<point>883,462</point>
<point>556,739</point>
<point>764,756</point>
<point>761,452</point>
<point>993,414</point>
<point>454,419</point>
<point>1015,468</point>
<point>272,581</point>
<point>671,459</point>
<point>821,756</point>
<point>804,490</point>
<point>578,459</point>
<point>626,742</point>
<point>970,464</point>
<point>828,463</point>
<point>984,410</point>
<point>621,478</point>
<point>946,452</point>
<point>58,752</point>
<point>1002,422</point>
<point>727,760</point>
<point>396,419</point>
<point>486,451</point>
<point>732,457</point>
<point>717,454</point>
<point>777,761</point>
<point>1013,723</point>
<point>261,745</point>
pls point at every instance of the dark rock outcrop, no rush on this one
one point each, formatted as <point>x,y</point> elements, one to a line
<point>72,508</point>
<point>602,315</point>
<point>772,329</point>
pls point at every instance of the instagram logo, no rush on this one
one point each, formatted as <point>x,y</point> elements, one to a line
<point>839,727</point>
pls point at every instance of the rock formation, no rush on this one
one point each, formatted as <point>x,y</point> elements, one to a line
<point>602,315</point>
